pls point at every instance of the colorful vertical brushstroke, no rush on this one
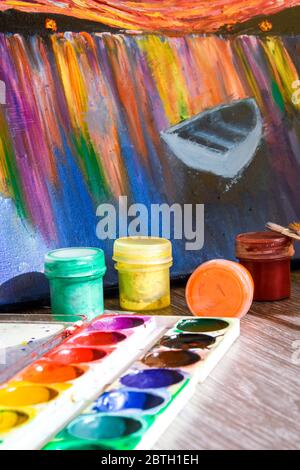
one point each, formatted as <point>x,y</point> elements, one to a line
<point>93,106</point>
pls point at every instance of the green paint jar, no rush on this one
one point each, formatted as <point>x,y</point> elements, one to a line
<point>76,281</point>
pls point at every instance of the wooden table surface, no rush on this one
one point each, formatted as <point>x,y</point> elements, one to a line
<point>251,400</point>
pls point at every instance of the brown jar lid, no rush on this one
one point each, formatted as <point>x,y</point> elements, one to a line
<point>263,245</point>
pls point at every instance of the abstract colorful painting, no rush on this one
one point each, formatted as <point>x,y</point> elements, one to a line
<point>170,101</point>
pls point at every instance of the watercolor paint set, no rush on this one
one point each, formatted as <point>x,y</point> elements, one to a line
<point>25,337</point>
<point>115,383</point>
<point>137,408</point>
<point>44,395</point>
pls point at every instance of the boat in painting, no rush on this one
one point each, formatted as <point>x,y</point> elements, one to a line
<point>222,140</point>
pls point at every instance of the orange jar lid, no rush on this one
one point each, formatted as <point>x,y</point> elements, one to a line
<point>220,288</point>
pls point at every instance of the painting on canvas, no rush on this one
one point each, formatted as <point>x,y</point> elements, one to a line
<point>158,103</point>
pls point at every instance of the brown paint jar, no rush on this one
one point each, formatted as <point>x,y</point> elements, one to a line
<point>267,255</point>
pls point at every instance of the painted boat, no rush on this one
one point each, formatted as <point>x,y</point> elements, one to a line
<point>221,140</point>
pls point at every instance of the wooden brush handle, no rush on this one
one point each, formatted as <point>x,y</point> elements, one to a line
<point>283,230</point>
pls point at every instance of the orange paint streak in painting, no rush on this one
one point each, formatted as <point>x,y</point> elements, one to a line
<point>214,59</point>
<point>148,112</point>
<point>48,102</point>
<point>72,80</point>
<point>210,94</point>
<point>89,105</point>
<point>221,52</point>
<point>125,85</point>
<point>101,116</point>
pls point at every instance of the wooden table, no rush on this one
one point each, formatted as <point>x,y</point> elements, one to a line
<point>252,398</point>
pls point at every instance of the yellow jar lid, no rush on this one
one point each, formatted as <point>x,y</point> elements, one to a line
<point>142,250</point>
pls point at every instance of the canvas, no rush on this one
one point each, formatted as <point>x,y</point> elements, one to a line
<point>187,102</point>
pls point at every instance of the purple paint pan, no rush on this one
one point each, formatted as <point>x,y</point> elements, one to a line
<point>116,323</point>
<point>152,378</point>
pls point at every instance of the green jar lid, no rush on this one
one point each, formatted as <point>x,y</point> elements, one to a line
<point>75,262</point>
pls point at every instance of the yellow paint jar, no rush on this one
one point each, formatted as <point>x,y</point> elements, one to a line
<point>143,265</point>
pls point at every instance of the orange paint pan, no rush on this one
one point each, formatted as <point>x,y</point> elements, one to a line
<point>220,288</point>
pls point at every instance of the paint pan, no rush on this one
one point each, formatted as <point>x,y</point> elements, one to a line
<point>118,323</point>
<point>77,355</point>
<point>154,388</point>
<point>11,418</point>
<point>187,341</point>
<point>202,325</point>
<point>152,378</point>
<point>99,338</point>
<point>124,400</point>
<point>57,385</point>
<point>26,395</point>
<point>98,427</point>
<point>101,431</point>
<point>179,358</point>
<point>49,372</point>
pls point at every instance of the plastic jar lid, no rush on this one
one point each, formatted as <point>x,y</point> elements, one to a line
<point>142,250</point>
<point>263,245</point>
<point>220,288</point>
<point>75,262</point>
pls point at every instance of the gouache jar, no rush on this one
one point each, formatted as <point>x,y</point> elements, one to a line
<point>143,265</point>
<point>76,281</point>
<point>267,255</point>
<point>220,288</point>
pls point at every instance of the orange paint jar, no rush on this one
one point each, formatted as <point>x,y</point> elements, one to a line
<point>267,255</point>
<point>220,288</point>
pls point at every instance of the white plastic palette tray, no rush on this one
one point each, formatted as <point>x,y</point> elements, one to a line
<point>25,337</point>
<point>125,358</point>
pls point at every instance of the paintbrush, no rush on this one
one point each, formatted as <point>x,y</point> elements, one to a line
<point>295,227</point>
<point>288,231</point>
